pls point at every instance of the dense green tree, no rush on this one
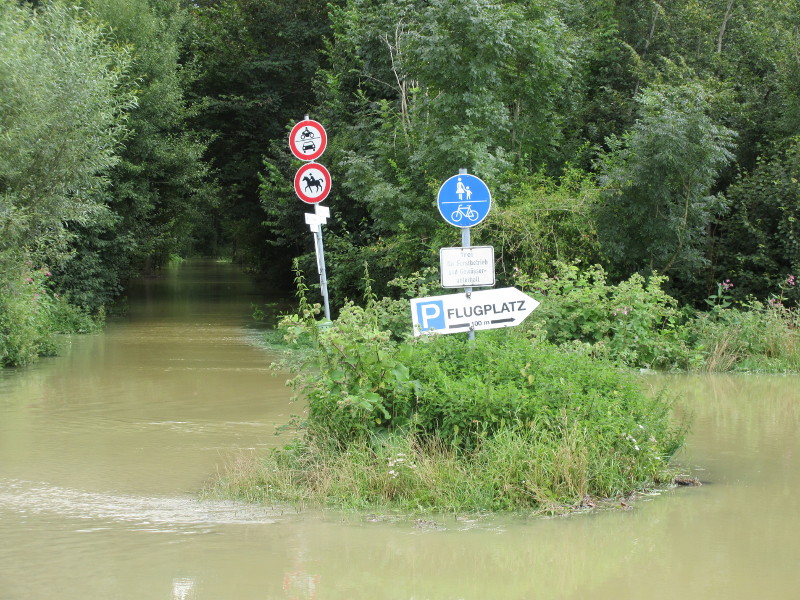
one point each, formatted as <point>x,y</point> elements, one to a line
<point>62,118</point>
<point>62,110</point>
<point>257,60</point>
<point>416,90</point>
<point>422,89</point>
<point>759,243</point>
<point>659,178</point>
<point>159,188</point>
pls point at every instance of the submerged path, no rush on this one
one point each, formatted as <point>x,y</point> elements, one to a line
<point>103,451</point>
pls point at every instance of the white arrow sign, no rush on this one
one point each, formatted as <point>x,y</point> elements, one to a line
<point>487,309</point>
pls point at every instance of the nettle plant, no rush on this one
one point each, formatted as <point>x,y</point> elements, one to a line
<point>633,322</point>
<point>353,372</point>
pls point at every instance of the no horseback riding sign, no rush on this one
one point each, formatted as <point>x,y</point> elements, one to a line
<point>312,183</point>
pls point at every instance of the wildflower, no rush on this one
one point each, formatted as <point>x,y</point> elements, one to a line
<point>393,473</point>
<point>726,285</point>
<point>790,280</point>
<point>47,274</point>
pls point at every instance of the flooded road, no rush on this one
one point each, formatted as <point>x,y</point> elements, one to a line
<point>104,449</point>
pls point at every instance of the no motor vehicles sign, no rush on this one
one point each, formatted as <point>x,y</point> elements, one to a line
<point>308,140</point>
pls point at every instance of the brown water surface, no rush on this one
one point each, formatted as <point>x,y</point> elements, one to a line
<point>103,451</point>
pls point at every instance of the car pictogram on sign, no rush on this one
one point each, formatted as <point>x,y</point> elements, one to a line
<point>308,140</point>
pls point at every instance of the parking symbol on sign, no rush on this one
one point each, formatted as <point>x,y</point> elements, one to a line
<point>430,315</point>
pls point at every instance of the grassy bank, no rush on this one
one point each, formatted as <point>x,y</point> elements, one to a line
<point>506,422</point>
<point>536,471</point>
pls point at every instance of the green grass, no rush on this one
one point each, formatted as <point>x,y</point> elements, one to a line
<point>534,471</point>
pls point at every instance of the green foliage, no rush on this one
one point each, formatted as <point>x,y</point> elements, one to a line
<point>546,220</point>
<point>504,381</point>
<point>363,386</point>
<point>23,333</point>
<point>405,119</point>
<point>159,190</point>
<point>354,375</point>
<point>31,314</point>
<point>758,337</point>
<point>658,179</point>
<point>62,106</point>
<point>634,322</point>
<point>525,471</point>
<point>255,61</point>
<point>444,423</point>
<point>63,103</point>
<point>759,244</point>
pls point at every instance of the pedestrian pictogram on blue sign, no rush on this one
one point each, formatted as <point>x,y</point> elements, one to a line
<point>464,200</point>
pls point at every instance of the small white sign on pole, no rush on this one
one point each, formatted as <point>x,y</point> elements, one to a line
<point>464,267</point>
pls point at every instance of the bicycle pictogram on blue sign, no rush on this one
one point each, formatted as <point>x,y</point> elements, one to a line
<point>464,200</point>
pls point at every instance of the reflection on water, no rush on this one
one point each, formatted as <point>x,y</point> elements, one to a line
<point>103,450</point>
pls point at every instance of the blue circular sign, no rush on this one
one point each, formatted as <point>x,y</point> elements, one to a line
<point>464,200</point>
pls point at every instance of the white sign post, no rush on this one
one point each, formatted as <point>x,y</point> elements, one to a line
<point>470,266</point>
<point>473,311</point>
<point>315,221</point>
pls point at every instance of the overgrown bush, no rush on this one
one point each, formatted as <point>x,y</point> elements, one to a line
<point>634,322</point>
<point>758,337</point>
<point>31,315</point>
<point>545,220</point>
<point>506,421</point>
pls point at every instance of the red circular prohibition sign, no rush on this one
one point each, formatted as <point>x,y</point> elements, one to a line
<point>312,183</point>
<point>308,140</point>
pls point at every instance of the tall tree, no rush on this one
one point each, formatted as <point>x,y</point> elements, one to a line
<point>257,61</point>
<point>62,118</point>
<point>659,179</point>
<point>159,188</point>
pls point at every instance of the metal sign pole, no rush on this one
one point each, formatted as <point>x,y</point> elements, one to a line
<point>315,221</point>
<point>466,242</point>
<point>312,183</point>
<point>323,276</point>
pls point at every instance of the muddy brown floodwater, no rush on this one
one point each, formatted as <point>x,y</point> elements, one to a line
<point>103,451</point>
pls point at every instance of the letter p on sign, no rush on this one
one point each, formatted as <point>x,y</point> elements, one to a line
<point>430,315</point>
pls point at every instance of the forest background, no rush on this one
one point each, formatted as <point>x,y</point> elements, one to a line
<point>658,139</point>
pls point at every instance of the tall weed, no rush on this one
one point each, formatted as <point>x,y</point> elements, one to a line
<point>634,322</point>
<point>31,316</point>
